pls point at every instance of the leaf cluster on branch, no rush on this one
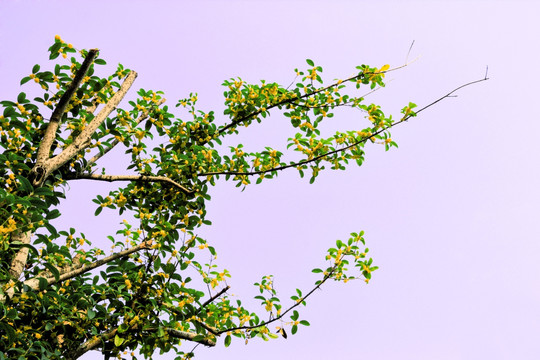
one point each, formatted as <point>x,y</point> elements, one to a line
<point>60,297</point>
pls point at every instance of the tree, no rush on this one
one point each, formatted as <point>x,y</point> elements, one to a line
<point>60,298</point>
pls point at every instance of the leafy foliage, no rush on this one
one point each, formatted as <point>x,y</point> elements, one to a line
<point>148,293</point>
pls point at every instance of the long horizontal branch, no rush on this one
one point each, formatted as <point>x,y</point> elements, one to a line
<point>364,139</point>
<point>146,178</point>
<point>76,270</point>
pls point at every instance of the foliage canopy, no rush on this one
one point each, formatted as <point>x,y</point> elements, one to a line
<point>61,297</point>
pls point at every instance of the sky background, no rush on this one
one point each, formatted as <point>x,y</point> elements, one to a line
<point>451,217</point>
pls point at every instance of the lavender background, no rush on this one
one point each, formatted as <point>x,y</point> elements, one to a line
<point>451,217</point>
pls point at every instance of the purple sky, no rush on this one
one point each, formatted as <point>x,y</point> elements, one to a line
<point>451,217</point>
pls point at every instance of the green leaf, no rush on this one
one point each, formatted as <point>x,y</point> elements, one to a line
<point>35,69</point>
<point>100,62</point>
<point>123,328</point>
<point>316,271</point>
<point>227,340</point>
<point>21,98</point>
<point>98,211</point>
<point>160,332</point>
<point>294,329</point>
<point>24,80</point>
<point>304,322</point>
<point>12,314</point>
<point>118,340</point>
<point>25,184</point>
<point>310,62</point>
<point>53,214</point>
<point>53,270</point>
<point>91,314</point>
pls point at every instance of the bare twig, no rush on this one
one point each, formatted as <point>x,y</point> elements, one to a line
<point>111,178</point>
<point>409,52</point>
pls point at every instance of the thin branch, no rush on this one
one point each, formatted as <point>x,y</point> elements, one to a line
<point>447,95</point>
<point>112,178</point>
<point>207,302</point>
<point>298,302</point>
<point>115,142</point>
<point>50,134</point>
<point>409,52</point>
<point>304,162</point>
<point>77,270</point>
<point>288,101</point>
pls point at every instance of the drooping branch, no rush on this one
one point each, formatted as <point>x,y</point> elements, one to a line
<point>297,303</point>
<point>112,178</point>
<point>345,148</point>
<point>50,134</point>
<point>76,270</point>
<point>115,142</point>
